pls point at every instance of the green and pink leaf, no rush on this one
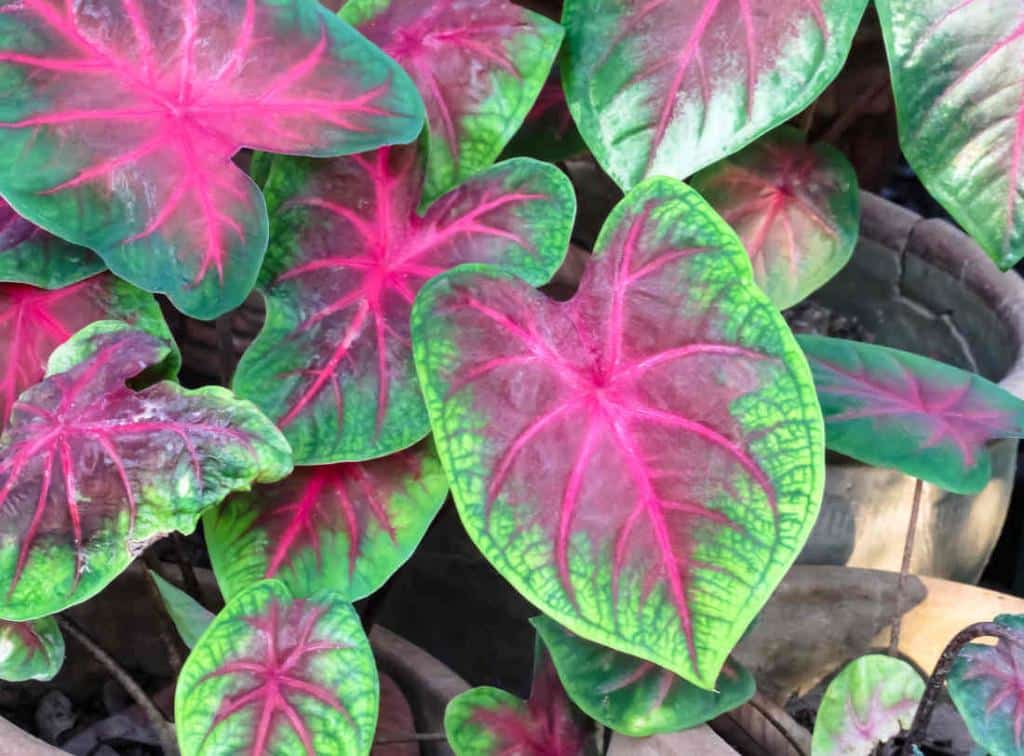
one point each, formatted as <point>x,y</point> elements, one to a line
<point>30,255</point>
<point>30,650</point>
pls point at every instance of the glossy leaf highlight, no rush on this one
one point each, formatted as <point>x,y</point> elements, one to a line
<point>333,363</point>
<point>644,461</point>
<point>891,408</point>
<point>190,618</point>
<point>30,255</point>
<point>278,675</point>
<point>795,206</point>
<point>92,471</point>
<point>30,650</point>
<point>667,87</point>
<point>120,119</point>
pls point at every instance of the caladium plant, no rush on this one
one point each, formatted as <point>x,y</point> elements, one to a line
<point>30,255</point>
<point>30,650</point>
<point>190,618</point>
<point>118,135</point>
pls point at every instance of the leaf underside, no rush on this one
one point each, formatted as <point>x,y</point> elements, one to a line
<point>190,618</point>
<point>30,650</point>
<point>30,255</point>
<point>650,451</point>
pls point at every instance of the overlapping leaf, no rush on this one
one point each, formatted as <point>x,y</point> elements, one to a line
<point>190,618</point>
<point>30,650</point>
<point>667,87</point>
<point>479,65</point>
<point>333,364</point>
<point>643,462</point>
<point>870,701</point>
<point>633,696</point>
<point>796,208</point>
<point>960,100</point>
<point>120,117</point>
<point>34,322</point>
<point>92,471</point>
<point>30,255</point>
<point>891,408</point>
<point>344,527</point>
<point>278,675</point>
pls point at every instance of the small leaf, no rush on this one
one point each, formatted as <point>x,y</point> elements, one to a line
<point>795,206</point>
<point>120,119</point>
<point>189,616</point>
<point>478,64</point>
<point>548,133</point>
<point>644,461</point>
<point>30,650</point>
<point>633,696</point>
<point>344,527</point>
<point>333,363</point>
<point>667,87</point>
<point>894,409</point>
<point>870,701</point>
<point>30,255</point>
<point>92,471</point>
<point>277,675</point>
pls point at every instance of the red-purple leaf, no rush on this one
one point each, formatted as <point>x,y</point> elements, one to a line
<point>92,471</point>
<point>333,364</point>
<point>120,119</point>
<point>30,255</point>
<point>479,65</point>
<point>644,461</point>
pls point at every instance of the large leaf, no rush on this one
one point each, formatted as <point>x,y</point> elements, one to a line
<point>490,722</point>
<point>870,701</point>
<point>30,255</point>
<point>92,471</point>
<point>667,87</point>
<point>30,650</point>
<point>277,675</point>
<point>633,696</point>
<point>190,618</point>
<point>891,408</point>
<point>795,206</point>
<point>478,64</point>
<point>643,462</point>
<point>345,527</point>
<point>34,322</point>
<point>120,117</point>
<point>333,364</point>
<point>955,72</point>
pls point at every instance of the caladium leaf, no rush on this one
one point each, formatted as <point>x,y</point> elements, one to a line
<point>548,133</point>
<point>644,461</point>
<point>345,527</point>
<point>479,65</point>
<point>30,255</point>
<point>333,364</point>
<point>30,650</point>
<point>92,471</point>
<point>870,701</point>
<point>795,206</point>
<point>960,103</point>
<point>986,684</point>
<point>633,696</point>
<point>34,322</point>
<point>667,87</point>
<point>120,119</point>
<point>890,408</point>
<point>491,722</point>
<point>189,616</point>
<point>278,675</point>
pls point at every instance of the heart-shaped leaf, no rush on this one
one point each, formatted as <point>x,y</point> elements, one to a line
<point>490,722</point>
<point>333,364</point>
<point>986,684</point>
<point>30,255</point>
<point>633,696</point>
<point>277,675</point>
<point>795,206</point>
<point>478,64</point>
<point>30,650</point>
<point>870,701</point>
<point>344,527</point>
<point>34,322</point>
<point>667,87</point>
<point>644,461</point>
<point>189,616</point>
<point>92,471</point>
<point>955,75</point>
<point>891,408</point>
<point>120,118</point>
<point>548,133</point>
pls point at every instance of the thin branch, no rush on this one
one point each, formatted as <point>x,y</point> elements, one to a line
<point>908,550</point>
<point>847,118</point>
